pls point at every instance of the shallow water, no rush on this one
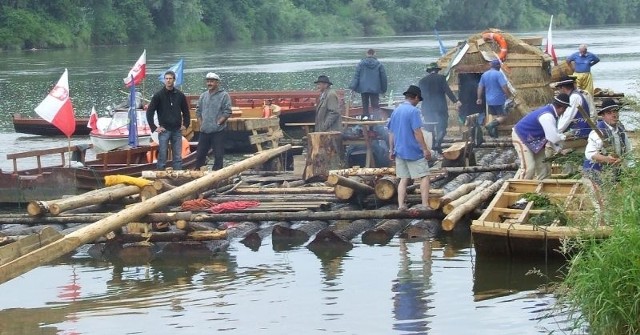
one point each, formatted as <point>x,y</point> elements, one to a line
<point>433,287</point>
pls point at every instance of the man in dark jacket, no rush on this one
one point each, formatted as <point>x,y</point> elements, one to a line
<point>173,117</point>
<point>434,87</point>
<point>370,80</point>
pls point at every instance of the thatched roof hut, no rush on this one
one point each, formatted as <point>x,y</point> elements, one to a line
<point>527,67</point>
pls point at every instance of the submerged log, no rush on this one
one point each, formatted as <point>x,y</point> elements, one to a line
<point>333,241</point>
<point>254,239</point>
<point>170,236</point>
<point>284,238</point>
<point>419,229</point>
<point>134,213</point>
<point>324,153</point>
<point>449,222</point>
<point>241,229</point>
<point>384,232</point>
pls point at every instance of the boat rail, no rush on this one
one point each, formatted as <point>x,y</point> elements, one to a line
<point>38,154</point>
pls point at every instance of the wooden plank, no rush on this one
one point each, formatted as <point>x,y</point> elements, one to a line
<point>261,138</point>
<point>42,152</point>
<point>259,123</point>
<point>517,56</point>
<point>27,244</point>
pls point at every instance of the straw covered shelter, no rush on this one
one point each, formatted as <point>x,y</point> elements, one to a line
<point>527,67</point>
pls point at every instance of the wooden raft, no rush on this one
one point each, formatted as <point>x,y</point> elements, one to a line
<point>508,231</point>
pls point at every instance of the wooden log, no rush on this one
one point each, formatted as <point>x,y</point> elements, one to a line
<point>479,168</point>
<point>448,208</point>
<point>419,229</point>
<point>284,238</point>
<point>193,226</point>
<point>457,182</point>
<point>324,153</point>
<point>346,188</point>
<point>386,188</point>
<point>175,174</point>
<point>170,236</point>
<point>61,205</point>
<point>453,151</point>
<point>36,208</point>
<point>147,192</point>
<point>253,240</point>
<point>455,194</point>
<point>241,229</point>
<point>384,232</point>
<point>358,171</point>
<point>134,213</point>
<point>284,190</point>
<point>23,245</point>
<point>332,242</point>
<point>295,183</point>
<point>449,222</point>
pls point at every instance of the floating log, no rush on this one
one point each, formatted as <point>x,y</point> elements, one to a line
<point>284,238</point>
<point>448,208</point>
<point>241,229</point>
<point>134,213</point>
<point>419,229</point>
<point>384,232</point>
<point>36,208</point>
<point>193,226</point>
<point>449,222</point>
<point>453,195</point>
<point>24,245</point>
<point>331,241</point>
<point>170,236</point>
<point>324,153</point>
<point>254,239</point>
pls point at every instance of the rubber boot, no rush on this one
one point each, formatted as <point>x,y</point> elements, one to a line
<point>492,128</point>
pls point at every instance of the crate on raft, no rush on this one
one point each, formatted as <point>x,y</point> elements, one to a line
<point>266,134</point>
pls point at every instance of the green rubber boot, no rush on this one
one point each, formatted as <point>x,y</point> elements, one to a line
<point>492,128</point>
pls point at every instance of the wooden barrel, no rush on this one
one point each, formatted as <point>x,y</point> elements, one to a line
<point>563,69</point>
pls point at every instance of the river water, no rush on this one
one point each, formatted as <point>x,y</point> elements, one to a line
<point>426,287</point>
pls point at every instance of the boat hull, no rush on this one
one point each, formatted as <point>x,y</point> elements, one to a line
<point>38,126</point>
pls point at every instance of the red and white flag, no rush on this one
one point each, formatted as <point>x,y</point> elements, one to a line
<point>549,50</point>
<point>138,71</point>
<point>93,119</point>
<point>57,108</point>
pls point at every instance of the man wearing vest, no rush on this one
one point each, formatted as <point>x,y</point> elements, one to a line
<point>608,152</point>
<point>572,120</point>
<point>533,131</point>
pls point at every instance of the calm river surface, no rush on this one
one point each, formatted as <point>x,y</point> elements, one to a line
<point>426,287</point>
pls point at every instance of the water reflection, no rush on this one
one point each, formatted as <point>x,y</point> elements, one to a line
<point>411,299</point>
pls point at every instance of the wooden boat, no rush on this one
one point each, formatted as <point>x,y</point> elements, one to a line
<point>70,178</point>
<point>505,230</point>
<point>38,126</point>
<point>115,135</point>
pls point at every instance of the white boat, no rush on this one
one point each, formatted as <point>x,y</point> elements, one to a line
<point>113,133</point>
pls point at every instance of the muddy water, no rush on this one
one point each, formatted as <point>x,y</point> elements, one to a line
<point>437,286</point>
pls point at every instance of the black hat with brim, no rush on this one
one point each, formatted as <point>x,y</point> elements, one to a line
<point>565,81</point>
<point>607,105</point>
<point>414,90</point>
<point>323,79</point>
<point>562,99</point>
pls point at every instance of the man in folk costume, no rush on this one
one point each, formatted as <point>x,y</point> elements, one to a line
<point>572,120</point>
<point>328,117</point>
<point>610,150</point>
<point>533,132</point>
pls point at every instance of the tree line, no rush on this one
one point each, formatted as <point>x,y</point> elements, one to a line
<point>26,24</point>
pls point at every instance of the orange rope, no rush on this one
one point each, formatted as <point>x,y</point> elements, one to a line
<point>197,205</point>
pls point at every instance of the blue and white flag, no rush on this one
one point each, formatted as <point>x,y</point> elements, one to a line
<point>133,118</point>
<point>178,68</point>
<point>442,49</point>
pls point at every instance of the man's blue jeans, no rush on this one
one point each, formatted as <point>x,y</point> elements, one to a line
<point>175,137</point>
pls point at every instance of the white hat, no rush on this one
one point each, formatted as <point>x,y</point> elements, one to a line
<point>212,75</point>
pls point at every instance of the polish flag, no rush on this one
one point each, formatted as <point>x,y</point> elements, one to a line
<point>57,108</point>
<point>549,50</point>
<point>93,119</point>
<point>138,71</point>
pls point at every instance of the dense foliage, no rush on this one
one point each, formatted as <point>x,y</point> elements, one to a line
<point>67,23</point>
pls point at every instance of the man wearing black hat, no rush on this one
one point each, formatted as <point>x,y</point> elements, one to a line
<point>572,120</point>
<point>408,146</point>
<point>328,116</point>
<point>611,149</point>
<point>434,87</point>
<point>533,131</point>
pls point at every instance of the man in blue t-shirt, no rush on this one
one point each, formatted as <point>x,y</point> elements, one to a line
<point>408,146</point>
<point>581,62</point>
<point>493,90</point>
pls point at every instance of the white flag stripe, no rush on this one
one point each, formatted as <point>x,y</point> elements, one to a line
<point>56,98</point>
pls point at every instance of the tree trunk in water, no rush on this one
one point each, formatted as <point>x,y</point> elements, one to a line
<point>324,153</point>
<point>254,239</point>
<point>133,213</point>
<point>284,238</point>
<point>384,232</point>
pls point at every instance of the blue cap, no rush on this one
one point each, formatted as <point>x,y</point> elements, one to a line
<point>495,63</point>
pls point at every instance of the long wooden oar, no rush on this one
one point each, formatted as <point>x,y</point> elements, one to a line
<point>91,232</point>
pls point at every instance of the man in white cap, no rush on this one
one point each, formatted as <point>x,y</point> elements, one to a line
<point>173,117</point>
<point>533,132</point>
<point>212,111</point>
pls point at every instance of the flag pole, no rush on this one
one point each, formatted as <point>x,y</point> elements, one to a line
<point>69,151</point>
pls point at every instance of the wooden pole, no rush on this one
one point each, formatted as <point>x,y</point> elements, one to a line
<point>77,238</point>
<point>284,190</point>
<point>95,197</point>
<point>457,193</point>
<point>448,208</point>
